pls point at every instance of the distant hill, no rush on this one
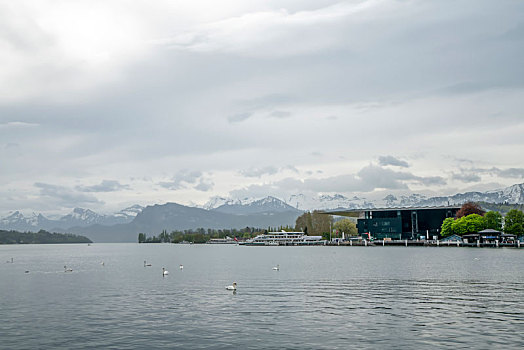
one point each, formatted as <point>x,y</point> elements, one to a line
<point>172,216</point>
<point>40,237</point>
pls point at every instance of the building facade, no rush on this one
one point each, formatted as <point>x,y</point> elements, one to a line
<point>400,223</point>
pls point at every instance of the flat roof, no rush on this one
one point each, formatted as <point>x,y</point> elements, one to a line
<point>356,212</point>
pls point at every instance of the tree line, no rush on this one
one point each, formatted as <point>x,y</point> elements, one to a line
<point>202,235</point>
<point>40,237</point>
<point>471,218</point>
<point>316,223</point>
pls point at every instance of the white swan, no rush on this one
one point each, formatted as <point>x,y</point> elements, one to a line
<point>102,263</point>
<point>232,287</point>
<point>181,267</point>
<point>276,268</point>
<point>165,272</point>
<point>67,269</point>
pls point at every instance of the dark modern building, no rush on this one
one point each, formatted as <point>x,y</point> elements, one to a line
<point>399,223</point>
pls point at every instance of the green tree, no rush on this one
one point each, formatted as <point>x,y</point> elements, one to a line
<point>459,227</point>
<point>493,220</point>
<point>475,223</point>
<point>303,222</point>
<point>347,226</point>
<point>141,237</point>
<point>314,223</point>
<point>514,222</point>
<point>447,227</point>
<point>322,223</point>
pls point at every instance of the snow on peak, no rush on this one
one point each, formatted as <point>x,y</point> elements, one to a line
<point>131,211</point>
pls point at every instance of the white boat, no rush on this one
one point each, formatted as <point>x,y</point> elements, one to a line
<point>284,238</point>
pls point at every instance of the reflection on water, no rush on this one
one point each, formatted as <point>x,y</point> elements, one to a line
<point>320,298</point>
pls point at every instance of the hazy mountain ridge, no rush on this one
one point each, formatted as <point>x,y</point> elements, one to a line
<point>79,217</point>
<point>264,205</point>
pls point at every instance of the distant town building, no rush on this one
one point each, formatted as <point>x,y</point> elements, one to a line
<point>399,223</point>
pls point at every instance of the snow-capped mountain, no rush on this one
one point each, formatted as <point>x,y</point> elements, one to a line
<point>327,202</point>
<point>218,201</point>
<point>17,221</point>
<point>264,205</point>
<point>512,194</point>
<point>129,212</point>
<point>79,217</point>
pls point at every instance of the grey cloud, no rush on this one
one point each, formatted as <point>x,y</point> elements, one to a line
<point>466,177</point>
<point>258,172</point>
<point>262,103</point>
<point>291,168</point>
<point>511,172</point>
<point>104,186</point>
<point>268,170</point>
<point>64,196</point>
<point>204,185</point>
<point>11,145</point>
<point>266,101</point>
<point>504,173</point>
<point>237,118</point>
<point>280,114</point>
<point>17,124</point>
<point>369,178</point>
<point>390,160</point>
<point>186,178</point>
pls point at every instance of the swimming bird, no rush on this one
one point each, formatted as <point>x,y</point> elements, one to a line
<point>232,287</point>
<point>10,262</point>
<point>26,271</point>
<point>165,272</point>
<point>102,263</point>
<point>146,264</point>
<point>181,267</point>
<point>66,269</point>
<point>276,268</point>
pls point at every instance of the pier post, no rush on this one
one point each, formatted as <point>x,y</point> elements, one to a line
<point>366,243</point>
<point>438,243</point>
<point>351,243</point>
<point>518,244</point>
<point>458,244</point>
<point>406,242</point>
<point>478,242</point>
<point>383,242</point>
<point>497,242</point>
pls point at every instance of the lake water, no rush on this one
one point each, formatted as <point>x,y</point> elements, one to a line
<point>321,298</point>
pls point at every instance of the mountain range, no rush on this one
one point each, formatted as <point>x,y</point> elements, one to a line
<point>221,212</point>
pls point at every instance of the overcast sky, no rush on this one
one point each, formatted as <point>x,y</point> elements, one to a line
<point>104,104</point>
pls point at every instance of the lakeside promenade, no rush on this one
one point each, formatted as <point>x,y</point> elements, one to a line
<point>424,243</point>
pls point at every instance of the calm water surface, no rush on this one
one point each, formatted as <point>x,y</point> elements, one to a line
<point>321,298</point>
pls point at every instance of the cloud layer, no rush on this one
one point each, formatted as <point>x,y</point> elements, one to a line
<point>108,104</point>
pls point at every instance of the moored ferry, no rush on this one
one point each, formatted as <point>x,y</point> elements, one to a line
<point>285,238</point>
